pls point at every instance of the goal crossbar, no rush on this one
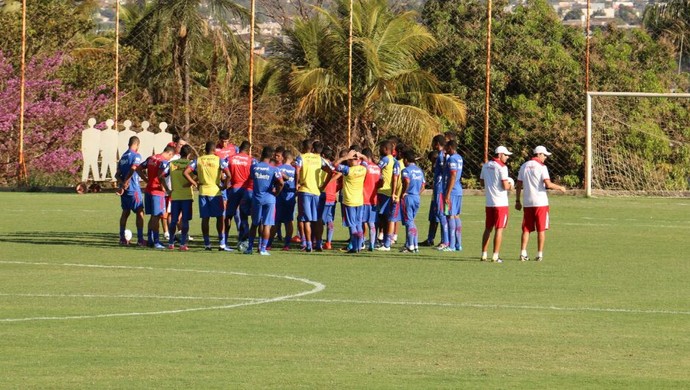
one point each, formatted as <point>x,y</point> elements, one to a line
<point>588,139</point>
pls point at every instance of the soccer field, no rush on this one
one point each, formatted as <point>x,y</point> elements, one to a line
<point>608,307</point>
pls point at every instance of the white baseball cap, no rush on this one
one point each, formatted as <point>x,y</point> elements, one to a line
<point>504,150</point>
<point>541,150</point>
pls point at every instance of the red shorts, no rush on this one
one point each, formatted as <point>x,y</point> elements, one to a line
<point>496,217</point>
<point>535,218</point>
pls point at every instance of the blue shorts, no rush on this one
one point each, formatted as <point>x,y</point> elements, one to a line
<point>326,210</point>
<point>353,216</point>
<point>181,207</point>
<point>455,206</point>
<point>307,207</point>
<point>211,206</point>
<point>154,205</point>
<point>263,214</point>
<point>409,206</point>
<point>285,210</point>
<point>131,201</point>
<point>384,202</point>
<point>239,198</point>
<point>435,212</point>
<point>369,213</point>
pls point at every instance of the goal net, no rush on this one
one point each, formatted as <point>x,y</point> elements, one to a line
<point>638,144</point>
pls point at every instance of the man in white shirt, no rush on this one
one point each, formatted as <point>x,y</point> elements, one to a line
<point>496,183</point>
<point>534,178</point>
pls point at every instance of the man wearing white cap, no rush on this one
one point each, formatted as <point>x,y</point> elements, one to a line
<point>496,183</point>
<point>534,178</point>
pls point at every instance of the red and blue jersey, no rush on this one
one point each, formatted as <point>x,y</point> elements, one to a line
<point>371,184</point>
<point>240,171</point>
<point>226,152</point>
<point>290,185</point>
<point>264,177</point>
<point>130,160</point>
<point>414,177</point>
<point>453,164</point>
<point>155,165</point>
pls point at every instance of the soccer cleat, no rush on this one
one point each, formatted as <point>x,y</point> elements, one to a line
<point>226,249</point>
<point>265,253</point>
<point>352,251</point>
<point>344,249</point>
<point>524,258</point>
<point>124,242</point>
<point>158,245</point>
<point>483,259</point>
<point>458,249</point>
<point>171,247</point>
<point>427,243</point>
<point>538,258</point>
<point>406,250</point>
<point>142,243</point>
<point>318,249</point>
<point>327,246</point>
<point>248,252</point>
<point>208,248</point>
<point>416,250</point>
<point>441,247</point>
<point>499,260</point>
<point>190,238</point>
<point>296,239</point>
<point>184,248</point>
<point>285,248</point>
<point>447,249</point>
<point>383,249</point>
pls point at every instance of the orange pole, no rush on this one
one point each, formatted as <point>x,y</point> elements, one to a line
<point>251,69</point>
<point>117,60</point>
<point>349,85</point>
<point>21,171</point>
<point>488,82</point>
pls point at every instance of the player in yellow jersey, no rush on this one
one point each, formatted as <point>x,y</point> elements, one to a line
<point>208,169</point>
<point>181,199</point>
<point>308,167</point>
<point>354,174</point>
<point>386,201</point>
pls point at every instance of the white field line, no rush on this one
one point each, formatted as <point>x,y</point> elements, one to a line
<point>317,287</point>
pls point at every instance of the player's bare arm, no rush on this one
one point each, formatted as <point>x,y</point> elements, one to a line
<point>553,186</point>
<point>188,175</point>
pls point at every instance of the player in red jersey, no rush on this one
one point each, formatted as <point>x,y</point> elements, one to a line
<point>372,182</point>
<point>240,190</point>
<point>153,171</point>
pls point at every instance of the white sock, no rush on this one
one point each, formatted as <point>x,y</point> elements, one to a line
<point>495,256</point>
<point>483,255</point>
<point>395,237</point>
<point>540,254</point>
<point>523,253</point>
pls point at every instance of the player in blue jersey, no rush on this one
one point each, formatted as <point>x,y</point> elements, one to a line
<point>436,217</point>
<point>286,201</point>
<point>412,186</point>
<point>131,198</point>
<point>268,182</point>
<point>452,202</point>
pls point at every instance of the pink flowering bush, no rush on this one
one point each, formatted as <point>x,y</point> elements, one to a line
<point>55,114</point>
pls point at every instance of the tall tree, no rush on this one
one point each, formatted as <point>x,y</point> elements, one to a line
<point>391,93</point>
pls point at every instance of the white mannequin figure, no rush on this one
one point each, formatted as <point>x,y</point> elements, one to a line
<point>146,141</point>
<point>90,146</point>
<point>123,138</point>
<point>108,148</point>
<point>162,139</point>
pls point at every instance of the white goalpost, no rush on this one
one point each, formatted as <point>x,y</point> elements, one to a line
<point>637,144</point>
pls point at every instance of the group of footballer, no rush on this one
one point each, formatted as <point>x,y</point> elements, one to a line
<point>375,195</point>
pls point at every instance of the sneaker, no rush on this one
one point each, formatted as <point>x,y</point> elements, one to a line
<point>248,252</point>
<point>171,247</point>
<point>327,246</point>
<point>285,248</point>
<point>426,243</point>
<point>499,260</point>
<point>524,258</point>
<point>383,249</point>
<point>441,247</point>
<point>208,248</point>
<point>538,258</point>
<point>184,248</point>
<point>166,235</point>
<point>158,245</point>
<point>265,253</point>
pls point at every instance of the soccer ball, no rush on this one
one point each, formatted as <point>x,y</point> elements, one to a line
<point>512,182</point>
<point>128,235</point>
<point>242,246</point>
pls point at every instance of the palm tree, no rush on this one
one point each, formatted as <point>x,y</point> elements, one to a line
<point>390,92</point>
<point>671,20</point>
<point>171,32</point>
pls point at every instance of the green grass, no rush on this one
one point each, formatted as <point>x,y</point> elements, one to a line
<point>607,308</point>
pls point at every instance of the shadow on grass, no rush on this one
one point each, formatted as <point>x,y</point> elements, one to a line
<point>62,238</point>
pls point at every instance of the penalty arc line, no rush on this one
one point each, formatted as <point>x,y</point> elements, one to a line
<point>318,287</point>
